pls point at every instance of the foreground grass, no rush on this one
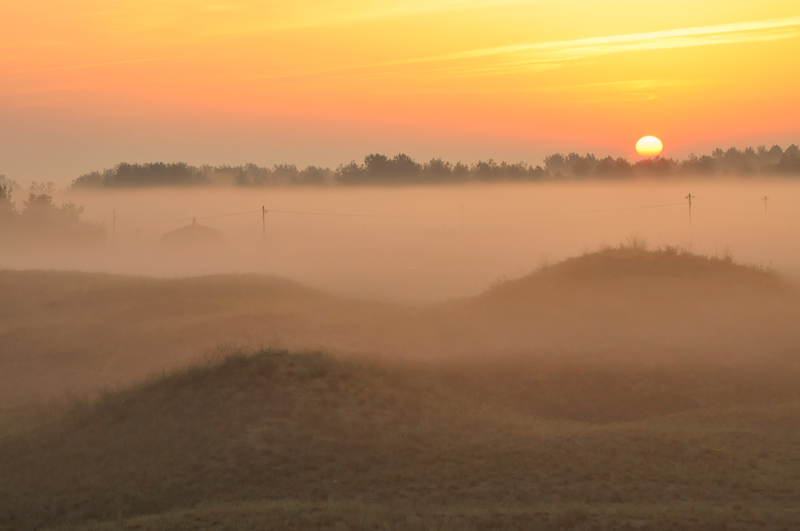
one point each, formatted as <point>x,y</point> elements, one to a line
<point>277,440</point>
<point>336,515</point>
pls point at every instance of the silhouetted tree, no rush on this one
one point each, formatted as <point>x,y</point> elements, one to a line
<point>259,176</point>
<point>44,222</point>
<point>284,173</point>
<point>461,172</point>
<point>7,208</point>
<point>790,160</point>
<point>437,170</point>
<point>8,215</point>
<point>89,180</point>
<point>486,170</point>
<point>402,169</point>
<point>405,167</point>
<point>655,166</point>
<point>581,166</point>
<point>380,168</point>
<point>150,174</point>
<point>610,167</point>
<point>695,165</point>
<point>350,173</point>
<point>314,175</point>
<point>555,164</point>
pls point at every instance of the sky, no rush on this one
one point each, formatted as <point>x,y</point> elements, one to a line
<point>86,84</point>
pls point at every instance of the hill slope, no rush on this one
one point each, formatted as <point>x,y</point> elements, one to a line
<point>303,441</point>
<point>635,305</point>
<point>72,332</point>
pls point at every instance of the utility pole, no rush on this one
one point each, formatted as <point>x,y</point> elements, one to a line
<point>690,197</point>
<point>765,204</point>
<point>114,226</point>
<point>264,224</point>
<point>462,220</point>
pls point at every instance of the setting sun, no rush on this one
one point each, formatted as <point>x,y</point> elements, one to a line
<point>649,146</point>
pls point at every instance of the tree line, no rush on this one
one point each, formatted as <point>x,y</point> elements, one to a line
<point>41,222</point>
<point>402,169</point>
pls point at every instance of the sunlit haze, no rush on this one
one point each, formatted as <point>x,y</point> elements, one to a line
<point>86,84</point>
<point>399,264</point>
<point>428,244</point>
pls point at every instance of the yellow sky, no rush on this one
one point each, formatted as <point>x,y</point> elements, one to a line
<point>86,82</point>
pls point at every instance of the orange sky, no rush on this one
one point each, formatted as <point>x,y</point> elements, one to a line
<point>85,84</point>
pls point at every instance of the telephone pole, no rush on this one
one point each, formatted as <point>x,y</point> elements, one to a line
<point>765,204</point>
<point>690,197</point>
<point>113,226</point>
<point>264,224</point>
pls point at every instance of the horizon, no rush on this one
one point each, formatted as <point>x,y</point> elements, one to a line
<point>760,160</point>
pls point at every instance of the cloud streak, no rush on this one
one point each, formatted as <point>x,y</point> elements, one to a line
<point>677,38</point>
<point>540,56</point>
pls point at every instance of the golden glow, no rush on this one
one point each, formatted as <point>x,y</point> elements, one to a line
<point>423,76</point>
<point>649,146</point>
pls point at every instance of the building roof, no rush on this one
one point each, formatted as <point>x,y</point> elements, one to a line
<point>194,234</point>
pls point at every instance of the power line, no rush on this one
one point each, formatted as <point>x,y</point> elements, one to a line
<point>519,215</point>
<point>229,215</point>
<point>263,210</point>
<point>725,204</point>
<point>175,220</point>
<point>342,215</point>
<point>461,215</point>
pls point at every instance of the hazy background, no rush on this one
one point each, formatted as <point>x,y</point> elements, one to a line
<point>429,252</point>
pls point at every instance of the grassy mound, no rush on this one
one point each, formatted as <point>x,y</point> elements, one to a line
<point>631,263</point>
<point>71,332</point>
<point>277,440</point>
<point>634,305</point>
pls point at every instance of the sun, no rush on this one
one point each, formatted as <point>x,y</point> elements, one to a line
<point>649,146</point>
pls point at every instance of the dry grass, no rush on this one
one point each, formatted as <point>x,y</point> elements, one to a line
<point>63,333</point>
<point>303,441</point>
<point>623,389</point>
<point>337,515</point>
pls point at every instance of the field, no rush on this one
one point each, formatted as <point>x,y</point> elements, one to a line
<point>588,395</point>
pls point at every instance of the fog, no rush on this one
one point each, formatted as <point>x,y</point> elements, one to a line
<point>412,244</point>
<point>365,250</point>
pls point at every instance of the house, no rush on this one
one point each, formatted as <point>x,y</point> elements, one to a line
<point>194,235</point>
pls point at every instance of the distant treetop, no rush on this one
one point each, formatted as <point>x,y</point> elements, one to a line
<point>402,169</point>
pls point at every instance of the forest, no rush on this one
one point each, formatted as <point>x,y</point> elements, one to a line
<point>403,170</point>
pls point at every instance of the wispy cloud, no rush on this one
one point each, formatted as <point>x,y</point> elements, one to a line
<point>539,56</point>
<point>627,90</point>
<point>627,85</point>
<point>754,31</point>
